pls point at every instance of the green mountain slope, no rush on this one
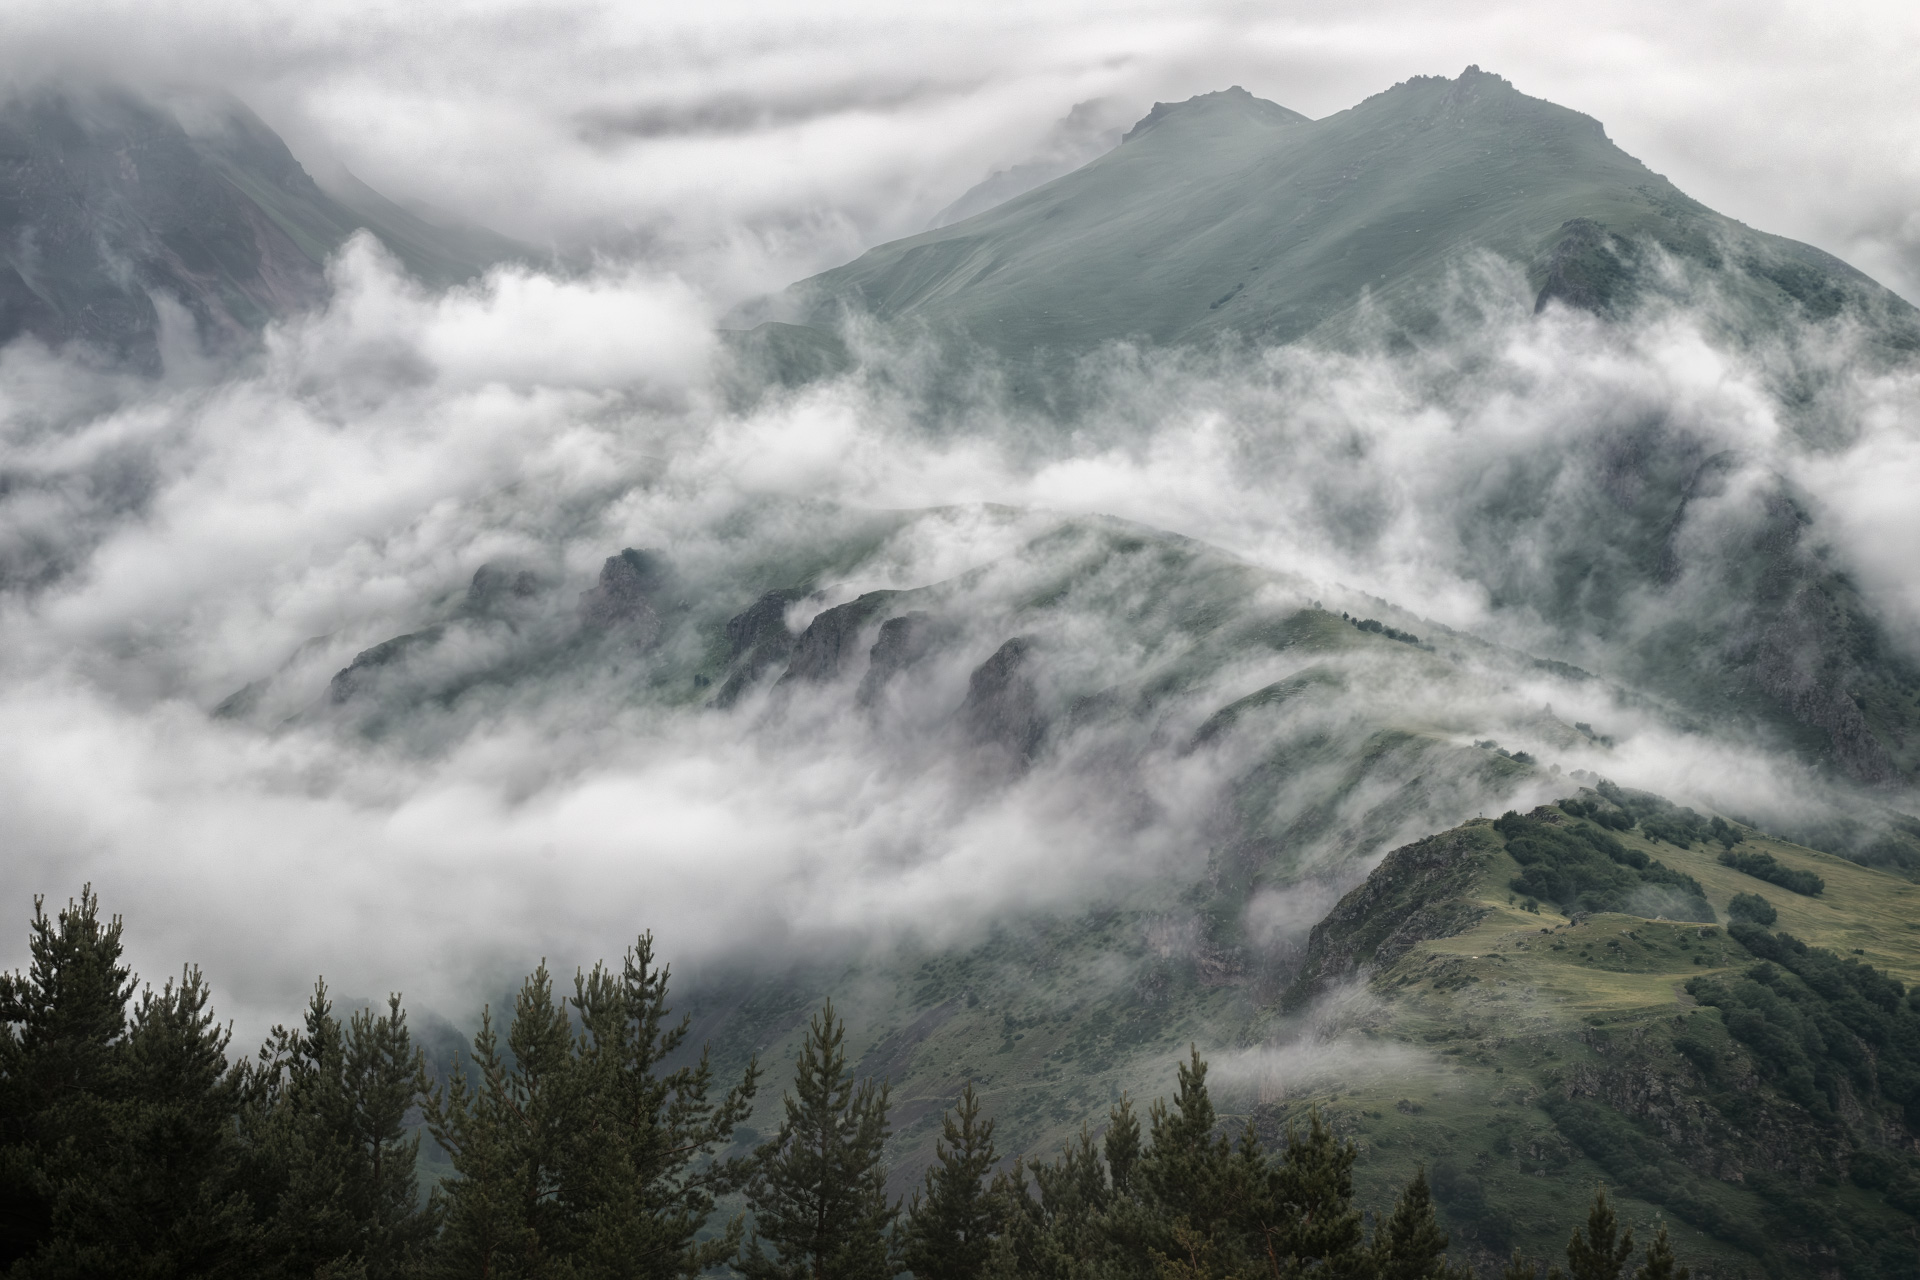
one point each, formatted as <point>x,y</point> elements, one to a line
<point>1230,216</point>
<point>1557,1049</point>
<point>1521,1055</point>
<point>1089,651</point>
<point>1649,546</point>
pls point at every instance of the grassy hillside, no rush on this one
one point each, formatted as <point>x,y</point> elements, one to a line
<point>1521,1055</point>
<point>1557,1050</point>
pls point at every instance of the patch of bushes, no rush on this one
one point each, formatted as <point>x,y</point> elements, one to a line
<point>1461,1194</point>
<point>1583,868</point>
<point>1661,819</point>
<point>1751,908</point>
<point>1764,866</point>
<point>1604,815</point>
<point>1646,1167</point>
<point>1518,757</point>
<point>1379,628</point>
<point>1815,1022</point>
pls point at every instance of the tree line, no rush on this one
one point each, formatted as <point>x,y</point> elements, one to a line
<point>131,1145</point>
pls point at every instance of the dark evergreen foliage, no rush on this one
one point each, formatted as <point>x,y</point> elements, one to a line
<point>1379,628</point>
<point>1660,1264</point>
<point>1657,817</point>
<point>130,1146</point>
<point>1410,1244</point>
<point>1752,909</point>
<point>1816,1022</point>
<point>949,1226</point>
<point>1764,866</point>
<point>818,1190</point>
<point>1600,1249</point>
<point>119,1156</point>
<point>1581,867</point>
<point>581,1157</point>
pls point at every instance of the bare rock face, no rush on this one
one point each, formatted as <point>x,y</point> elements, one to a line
<point>370,666</point>
<point>500,591</point>
<point>757,639</point>
<point>1412,896</point>
<point>624,601</point>
<point>1001,713</point>
<point>831,640</point>
<point>109,203</point>
<point>902,642</point>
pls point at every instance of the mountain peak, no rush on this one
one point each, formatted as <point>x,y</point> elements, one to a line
<point>1230,104</point>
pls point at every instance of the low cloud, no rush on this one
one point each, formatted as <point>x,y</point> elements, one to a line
<point>166,544</point>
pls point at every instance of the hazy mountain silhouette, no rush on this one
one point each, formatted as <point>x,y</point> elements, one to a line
<point>109,202</point>
<point>1230,215</point>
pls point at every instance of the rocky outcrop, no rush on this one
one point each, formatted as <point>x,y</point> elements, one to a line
<point>109,204</point>
<point>902,642</point>
<point>757,640</point>
<point>1001,714</point>
<point>1414,895</point>
<point>625,600</point>
<point>1588,268</point>
<point>832,640</point>
<point>370,665</point>
<point>500,591</point>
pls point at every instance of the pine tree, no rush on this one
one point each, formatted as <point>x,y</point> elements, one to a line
<point>331,1146</point>
<point>1306,1219</point>
<point>157,1193</point>
<point>1085,1223</point>
<point>1122,1145</point>
<point>1410,1244</point>
<point>1184,1169</point>
<point>637,1176</point>
<point>1599,1251</point>
<point>586,1158</point>
<point>1521,1267</point>
<point>949,1230</point>
<point>60,1023</point>
<point>503,1133</point>
<point>819,1192</point>
<point>127,1155</point>
<point>1659,1263</point>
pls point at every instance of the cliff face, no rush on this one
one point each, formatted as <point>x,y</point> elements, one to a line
<point>1418,892</point>
<point>108,205</point>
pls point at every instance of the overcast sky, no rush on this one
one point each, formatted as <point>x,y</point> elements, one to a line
<point>754,141</point>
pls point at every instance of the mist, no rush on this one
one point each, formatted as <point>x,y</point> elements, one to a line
<point>166,544</point>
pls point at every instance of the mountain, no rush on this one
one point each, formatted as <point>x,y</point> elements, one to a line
<point>1257,790</point>
<point>1629,539</point>
<point>1230,217</point>
<point>1750,1086</point>
<point>1087,131</point>
<point>110,208</point>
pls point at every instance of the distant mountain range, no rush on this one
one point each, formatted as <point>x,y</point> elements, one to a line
<point>1227,216</point>
<point>1227,222</point>
<point>109,203</point>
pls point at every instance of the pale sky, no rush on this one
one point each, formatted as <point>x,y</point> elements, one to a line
<point>749,143</point>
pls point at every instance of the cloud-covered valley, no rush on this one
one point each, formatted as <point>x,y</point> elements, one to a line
<point>168,543</point>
